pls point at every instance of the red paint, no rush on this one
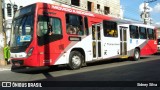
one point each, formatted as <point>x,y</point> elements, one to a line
<point>149,48</point>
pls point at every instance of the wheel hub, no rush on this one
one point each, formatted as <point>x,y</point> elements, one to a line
<point>76,60</point>
<point>137,55</point>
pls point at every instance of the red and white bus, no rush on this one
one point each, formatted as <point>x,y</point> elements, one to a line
<point>46,34</point>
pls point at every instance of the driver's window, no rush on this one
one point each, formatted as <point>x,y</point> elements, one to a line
<point>48,26</point>
<point>42,26</point>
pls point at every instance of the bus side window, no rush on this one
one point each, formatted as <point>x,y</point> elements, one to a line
<point>42,26</point>
<point>134,32</point>
<point>74,24</point>
<point>56,26</point>
<point>155,35</point>
<point>150,33</point>
<point>45,22</point>
<point>142,32</point>
<point>110,29</point>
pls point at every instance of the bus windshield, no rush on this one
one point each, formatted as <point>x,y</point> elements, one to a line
<point>22,31</point>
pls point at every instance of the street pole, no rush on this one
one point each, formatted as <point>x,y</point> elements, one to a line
<point>2,36</point>
<point>146,14</point>
<point>145,7</point>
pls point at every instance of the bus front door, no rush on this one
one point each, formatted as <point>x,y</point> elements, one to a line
<point>123,41</point>
<point>96,42</point>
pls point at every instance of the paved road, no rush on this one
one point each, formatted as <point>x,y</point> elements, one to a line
<point>115,70</point>
<point>146,69</point>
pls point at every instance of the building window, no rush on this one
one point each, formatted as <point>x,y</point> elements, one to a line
<point>134,32</point>
<point>110,29</point>
<point>75,2</point>
<point>98,6</point>
<point>3,13</point>
<point>150,33</point>
<point>142,32</point>
<point>90,6</point>
<point>9,10</point>
<point>74,24</point>
<point>106,10</point>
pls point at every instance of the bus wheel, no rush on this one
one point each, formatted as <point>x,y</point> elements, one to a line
<point>136,55</point>
<point>75,60</point>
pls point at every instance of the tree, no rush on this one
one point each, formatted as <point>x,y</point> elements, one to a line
<point>2,37</point>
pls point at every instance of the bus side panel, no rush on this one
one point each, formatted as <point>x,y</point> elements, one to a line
<point>149,48</point>
<point>137,43</point>
<point>111,47</point>
<point>132,44</point>
<point>49,53</point>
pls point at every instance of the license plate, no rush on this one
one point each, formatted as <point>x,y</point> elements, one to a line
<point>17,64</point>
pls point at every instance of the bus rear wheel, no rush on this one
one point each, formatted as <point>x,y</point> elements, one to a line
<point>75,60</point>
<point>136,55</point>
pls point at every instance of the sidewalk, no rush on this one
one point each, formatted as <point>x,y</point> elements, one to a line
<point>6,67</point>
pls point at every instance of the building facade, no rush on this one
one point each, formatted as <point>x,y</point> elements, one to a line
<point>105,7</point>
<point>9,7</point>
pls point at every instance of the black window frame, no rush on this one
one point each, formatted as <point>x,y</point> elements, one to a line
<point>47,38</point>
<point>106,10</point>
<point>73,26</point>
<point>86,25</point>
<point>134,34</point>
<point>152,35</point>
<point>9,10</point>
<point>51,23</point>
<point>98,6</point>
<point>111,30</point>
<point>75,2</point>
<point>141,34</point>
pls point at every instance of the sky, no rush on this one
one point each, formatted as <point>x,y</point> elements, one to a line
<point>132,9</point>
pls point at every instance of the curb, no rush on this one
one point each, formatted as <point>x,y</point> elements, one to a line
<point>6,67</point>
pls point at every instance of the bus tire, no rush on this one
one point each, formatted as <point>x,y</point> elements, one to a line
<point>136,55</point>
<point>16,69</point>
<point>75,60</point>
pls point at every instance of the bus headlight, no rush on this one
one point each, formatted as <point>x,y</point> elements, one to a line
<point>30,52</point>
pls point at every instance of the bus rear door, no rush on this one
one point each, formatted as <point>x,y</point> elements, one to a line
<point>123,41</point>
<point>96,41</point>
